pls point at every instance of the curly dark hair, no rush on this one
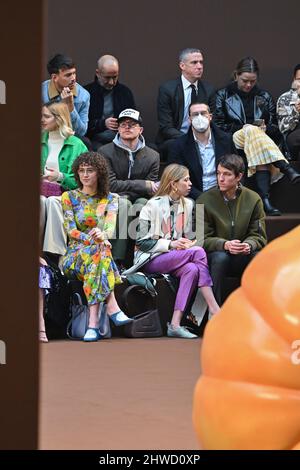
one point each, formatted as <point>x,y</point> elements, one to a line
<point>97,161</point>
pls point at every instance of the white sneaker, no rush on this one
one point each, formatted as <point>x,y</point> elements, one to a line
<point>180,332</point>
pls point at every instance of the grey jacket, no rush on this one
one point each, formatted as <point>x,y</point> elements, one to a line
<point>130,173</point>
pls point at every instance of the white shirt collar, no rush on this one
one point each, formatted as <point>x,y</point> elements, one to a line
<point>198,141</point>
<point>186,83</point>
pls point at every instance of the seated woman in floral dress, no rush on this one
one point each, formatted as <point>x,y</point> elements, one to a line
<point>90,214</point>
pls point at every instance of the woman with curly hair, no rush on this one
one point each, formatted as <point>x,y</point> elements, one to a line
<point>90,214</point>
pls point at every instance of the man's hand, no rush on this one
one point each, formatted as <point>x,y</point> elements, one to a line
<point>236,247</point>
<point>111,123</point>
<point>68,98</point>
<point>247,249</point>
<point>297,106</point>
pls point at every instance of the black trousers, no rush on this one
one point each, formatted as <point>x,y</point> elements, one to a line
<point>222,264</point>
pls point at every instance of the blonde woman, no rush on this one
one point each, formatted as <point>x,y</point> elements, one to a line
<point>59,150</point>
<point>165,231</point>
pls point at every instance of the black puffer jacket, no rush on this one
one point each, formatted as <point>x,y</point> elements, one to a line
<point>230,114</point>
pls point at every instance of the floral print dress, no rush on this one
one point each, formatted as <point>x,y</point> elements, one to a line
<point>85,259</point>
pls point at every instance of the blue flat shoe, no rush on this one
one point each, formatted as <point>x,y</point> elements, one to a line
<point>92,334</point>
<point>119,318</point>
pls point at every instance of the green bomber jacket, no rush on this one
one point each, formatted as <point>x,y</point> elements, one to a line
<point>242,218</point>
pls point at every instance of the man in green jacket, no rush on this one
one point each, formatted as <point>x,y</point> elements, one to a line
<point>234,223</point>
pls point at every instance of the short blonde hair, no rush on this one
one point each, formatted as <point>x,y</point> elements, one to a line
<point>61,113</point>
<point>171,174</point>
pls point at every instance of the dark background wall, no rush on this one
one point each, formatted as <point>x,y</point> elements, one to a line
<point>146,36</point>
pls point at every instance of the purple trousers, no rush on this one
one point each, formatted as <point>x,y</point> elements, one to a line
<point>190,266</point>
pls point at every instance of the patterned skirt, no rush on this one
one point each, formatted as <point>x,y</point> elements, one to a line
<point>95,267</point>
<point>259,148</point>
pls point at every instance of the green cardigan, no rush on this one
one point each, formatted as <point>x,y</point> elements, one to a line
<point>242,218</point>
<point>72,148</point>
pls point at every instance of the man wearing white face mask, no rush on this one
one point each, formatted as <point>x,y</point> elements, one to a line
<point>200,149</point>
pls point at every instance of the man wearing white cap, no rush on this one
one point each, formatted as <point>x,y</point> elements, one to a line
<point>133,174</point>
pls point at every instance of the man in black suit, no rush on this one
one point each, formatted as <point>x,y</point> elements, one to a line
<point>108,99</point>
<point>200,149</point>
<point>175,96</point>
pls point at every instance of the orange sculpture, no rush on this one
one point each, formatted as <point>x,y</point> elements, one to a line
<point>248,396</point>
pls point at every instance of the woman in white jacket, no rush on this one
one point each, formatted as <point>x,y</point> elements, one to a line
<point>165,233</point>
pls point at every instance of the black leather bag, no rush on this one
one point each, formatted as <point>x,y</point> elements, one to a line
<point>57,303</point>
<point>146,324</point>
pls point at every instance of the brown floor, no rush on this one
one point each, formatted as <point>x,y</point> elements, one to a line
<point>118,394</point>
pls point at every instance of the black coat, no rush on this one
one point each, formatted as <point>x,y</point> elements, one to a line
<point>122,99</point>
<point>230,116</point>
<point>184,152</point>
<point>170,107</point>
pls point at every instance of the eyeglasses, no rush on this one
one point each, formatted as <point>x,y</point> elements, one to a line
<point>86,171</point>
<point>128,124</point>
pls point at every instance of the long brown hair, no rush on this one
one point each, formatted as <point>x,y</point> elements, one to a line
<point>171,174</point>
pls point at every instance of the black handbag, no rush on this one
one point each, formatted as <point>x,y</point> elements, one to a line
<point>146,324</point>
<point>57,303</point>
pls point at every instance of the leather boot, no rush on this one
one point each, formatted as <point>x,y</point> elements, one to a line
<point>288,170</point>
<point>263,182</point>
<point>269,209</point>
<point>292,175</point>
